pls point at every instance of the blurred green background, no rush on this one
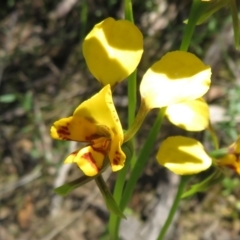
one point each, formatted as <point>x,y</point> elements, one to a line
<point>43,77</point>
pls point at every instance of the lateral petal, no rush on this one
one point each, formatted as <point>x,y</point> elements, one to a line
<point>75,128</point>
<point>191,115</point>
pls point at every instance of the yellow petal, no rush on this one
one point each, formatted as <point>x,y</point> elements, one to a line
<point>183,156</point>
<point>113,50</point>
<point>88,160</point>
<point>70,158</point>
<point>75,128</point>
<point>100,110</point>
<point>177,77</point>
<point>191,115</point>
<point>116,155</point>
<point>231,161</point>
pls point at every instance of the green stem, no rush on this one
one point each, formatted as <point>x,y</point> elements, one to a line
<point>197,9</point>
<point>128,10</point>
<point>132,97</point>
<point>173,208</point>
<point>110,202</point>
<point>142,113</point>
<point>219,153</point>
<point>235,21</point>
<point>142,159</point>
<point>132,102</point>
<point>118,189</point>
<point>139,165</point>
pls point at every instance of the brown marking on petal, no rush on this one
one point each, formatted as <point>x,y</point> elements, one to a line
<point>237,157</point>
<point>88,157</point>
<point>117,158</point>
<point>74,153</point>
<point>65,128</point>
<point>104,146</point>
<point>90,138</point>
<point>231,167</point>
<point>63,133</point>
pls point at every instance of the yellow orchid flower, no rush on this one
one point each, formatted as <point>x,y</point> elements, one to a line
<point>113,50</point>
<point>183,156</point>
<point>96,122</point>
<point>232,159</point>
<point>178,81</point>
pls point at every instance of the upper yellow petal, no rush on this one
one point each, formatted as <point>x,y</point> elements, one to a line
<point>183,156</point>
<point>75,128</point>
<point>191,115</point>
<point>177,77</point>
<point>100,110</point>
<point>113,50</point>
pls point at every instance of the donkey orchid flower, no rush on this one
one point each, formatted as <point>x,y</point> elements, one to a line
<point>96,122</point>
<point>232,159</point>
<point>178,81</point>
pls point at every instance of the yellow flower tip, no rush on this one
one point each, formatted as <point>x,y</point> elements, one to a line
<point>110,53</point>
<point>177,77</point>
<point>231,161</point>
<point>192,115</point>
<point>183,156</point>
<point>116,156</point>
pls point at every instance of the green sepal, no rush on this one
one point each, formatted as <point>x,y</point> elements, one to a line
<point>219,153</point>
<point>200,9</point>
<point>214,178</point>
<point>213,6</point>
<point>65,189</point>
<point>128,149</point>
<point>108,197</point>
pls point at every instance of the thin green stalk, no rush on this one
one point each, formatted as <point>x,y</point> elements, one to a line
<point>132,97</point>
<point>132,102</point>
<point>132,89</point>
<point>128,10</point>
<point>142,113</point>
<point>142,159</point>
<point>118,189</point>
<point>83,19</point>
<point>174,207</point>
<point>235,21</point>
<point>197,9</point>
<point>140,164</point>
